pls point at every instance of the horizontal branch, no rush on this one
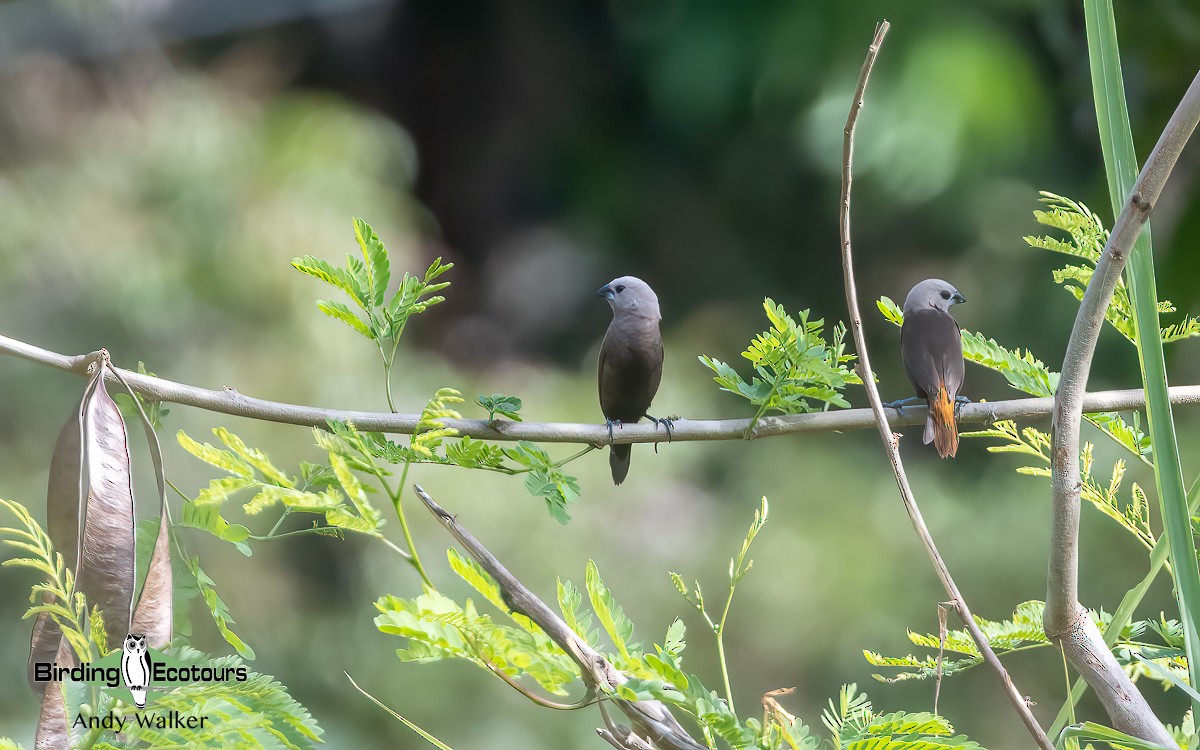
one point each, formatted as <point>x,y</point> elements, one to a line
<point>229,401</point>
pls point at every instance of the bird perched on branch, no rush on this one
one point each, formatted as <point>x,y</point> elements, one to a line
<point>631,359</point>
<point>931,348</point>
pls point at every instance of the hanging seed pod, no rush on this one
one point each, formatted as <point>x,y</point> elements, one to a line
<point>91,523</point>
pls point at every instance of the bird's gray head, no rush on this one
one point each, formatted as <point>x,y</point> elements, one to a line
<point>629,295</point>
<point>932,293</point>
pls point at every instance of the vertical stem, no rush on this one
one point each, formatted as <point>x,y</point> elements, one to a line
<point>1120,161</point>
<point>761,411</point>
<point>387,383</point>
<point>721,652</point>
<point>415,559</point>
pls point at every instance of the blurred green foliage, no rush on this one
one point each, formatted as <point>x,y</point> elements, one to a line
<point>153,207</point>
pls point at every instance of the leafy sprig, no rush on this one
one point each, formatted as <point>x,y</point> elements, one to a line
<point>498,403</point>
<point>1086,239</point>
<point>795,369</point>
<point>436,627</point>
<point>55,594</point>
<point>366,282</point>
<point>329,492</point>
<point>1024,631</point>
<point>435,443</point>
<point>1133,516</point>
<point>854,723</point>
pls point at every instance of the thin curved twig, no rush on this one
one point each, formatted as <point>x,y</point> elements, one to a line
<point>885,431</point>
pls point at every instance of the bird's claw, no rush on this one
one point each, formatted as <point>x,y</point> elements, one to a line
<point>667,422</point>
<point>609,424</point>
<point>899,404</point>
<point>959,402</point>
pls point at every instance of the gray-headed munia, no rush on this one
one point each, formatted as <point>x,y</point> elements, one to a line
<point>631,359</point>
<point>931,347</point>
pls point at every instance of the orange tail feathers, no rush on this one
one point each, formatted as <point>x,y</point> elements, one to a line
<point>941,429</point>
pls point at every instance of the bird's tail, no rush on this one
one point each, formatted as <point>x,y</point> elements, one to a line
<point>618,461</point>
<point>940,426</point>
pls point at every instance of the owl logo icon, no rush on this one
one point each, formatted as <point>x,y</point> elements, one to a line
<point>135,667</point>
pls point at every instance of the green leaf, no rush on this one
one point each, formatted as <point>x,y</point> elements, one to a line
<point>796,369</point>
<point>217,608</point>
<point>220,488</point>
<point>430,431</point>
<point>436,627</point>
<point>59,608</point>
<point>338,311</point>
<point>333,276</point>
<point>416,295</point>
<point>557,488</point>
<point>356,272</point>
<point>890,310</point>
<point>498,403</point>
<point>545,479</point>
<point>208,518</point>
<point>477,578</point>
<point>475,454</point>
<point>221,459</point>
<point>294,500</point>
<point>675,641</point>
<point>570,603</point>
<point>612,617</point>
<point>369,519</point>
<point>252,456</point>
<point>1087,239</point>
<point>1089,730</point>
<point>1166,675</point>
<point>378,267</point>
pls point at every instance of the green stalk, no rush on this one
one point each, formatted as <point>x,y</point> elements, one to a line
<point>414,558</point>
<point>721,651</point>
<point>1120,163</point>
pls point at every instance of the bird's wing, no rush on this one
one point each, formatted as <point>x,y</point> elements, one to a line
<point>600,370</point>
<point>931,348</point>
<point>953,367</point>
<point>629,372</point>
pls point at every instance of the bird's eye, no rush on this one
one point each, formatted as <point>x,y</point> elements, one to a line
<point>620,288</point>
<point>945,294</point>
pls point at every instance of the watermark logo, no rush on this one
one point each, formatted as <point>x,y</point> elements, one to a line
<point>136,667</point>
<point>134,674</point>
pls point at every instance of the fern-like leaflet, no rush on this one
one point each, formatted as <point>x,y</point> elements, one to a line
<point>795,369</point>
